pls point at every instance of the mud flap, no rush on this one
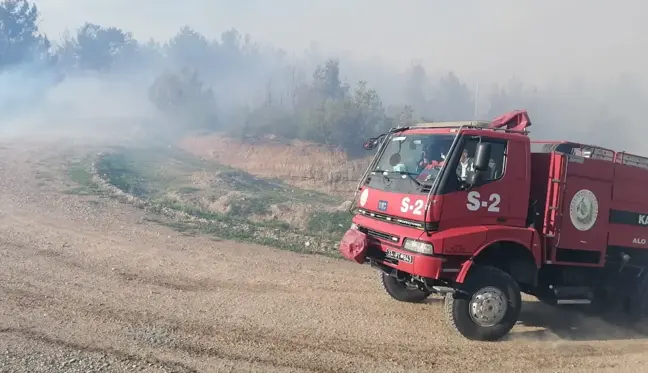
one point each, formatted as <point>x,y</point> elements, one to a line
<point>353,246</point>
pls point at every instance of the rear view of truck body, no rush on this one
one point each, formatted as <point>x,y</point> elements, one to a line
<point>590,207</point>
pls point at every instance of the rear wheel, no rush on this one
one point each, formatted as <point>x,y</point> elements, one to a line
<point>402,290</point>
<point>637,306</point>
<point>486,306</point>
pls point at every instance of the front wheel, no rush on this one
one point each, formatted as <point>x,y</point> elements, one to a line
<point>402,290</point>
<point>487,305</point>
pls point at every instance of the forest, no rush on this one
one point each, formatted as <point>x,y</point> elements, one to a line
<point>231,83</point>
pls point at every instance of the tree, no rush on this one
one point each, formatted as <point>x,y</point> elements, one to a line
<point>326,81</point>
<point>453,100</point>
<point>20,39</point>
<point>189,48</point>
<point>150,53</point>
<point>405,117</point>
<point>100,48</point>
<point>183,97</point>
<point>415,88</point>
<point>371,113</point>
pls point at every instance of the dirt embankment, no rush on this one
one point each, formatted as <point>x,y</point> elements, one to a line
<point>298,163</point>
<point>90,284</point>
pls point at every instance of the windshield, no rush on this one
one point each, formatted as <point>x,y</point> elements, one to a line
<point>419,156</point>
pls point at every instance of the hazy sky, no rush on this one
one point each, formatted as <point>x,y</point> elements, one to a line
<point>493,38</point>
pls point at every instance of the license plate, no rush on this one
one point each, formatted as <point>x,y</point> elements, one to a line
<point>399,256</point>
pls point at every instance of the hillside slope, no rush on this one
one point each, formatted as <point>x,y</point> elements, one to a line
<point>297,163</point>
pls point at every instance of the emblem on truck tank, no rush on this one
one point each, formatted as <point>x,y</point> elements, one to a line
<point>583,210</point>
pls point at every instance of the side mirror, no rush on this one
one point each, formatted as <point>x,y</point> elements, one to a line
<point>482,157</point>
<point>473,179</point>
<point>370,143</point>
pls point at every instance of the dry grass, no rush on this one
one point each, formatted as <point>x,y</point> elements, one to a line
<point>228,203</point>
<point>297,163</point>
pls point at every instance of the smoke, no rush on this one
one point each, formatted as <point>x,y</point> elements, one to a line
<point>41,104</point>
<point>578,68</point>
<point>559,325</point>
<point>533,40</point>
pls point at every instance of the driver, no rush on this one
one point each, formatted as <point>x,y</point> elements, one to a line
<point>466,165</point>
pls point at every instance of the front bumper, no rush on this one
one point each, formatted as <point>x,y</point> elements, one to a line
<point>385,250</point>
<point>416,264</point>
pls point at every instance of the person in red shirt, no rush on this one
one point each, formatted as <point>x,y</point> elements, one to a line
<point>431,158</point>
<point>428,160</point>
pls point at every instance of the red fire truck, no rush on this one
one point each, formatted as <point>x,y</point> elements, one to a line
<point>478,212</point>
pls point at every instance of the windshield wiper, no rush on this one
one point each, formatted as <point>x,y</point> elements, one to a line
<point>412,178</point>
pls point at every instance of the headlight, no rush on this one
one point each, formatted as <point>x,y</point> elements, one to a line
<point>418,246</point>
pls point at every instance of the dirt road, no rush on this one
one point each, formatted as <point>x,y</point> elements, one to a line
<point>87,284</point>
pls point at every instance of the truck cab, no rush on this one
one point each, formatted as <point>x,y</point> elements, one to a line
<point>475,210</point>
<point>423,195</point>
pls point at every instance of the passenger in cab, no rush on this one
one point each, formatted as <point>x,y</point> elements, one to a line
<point>430,158</point>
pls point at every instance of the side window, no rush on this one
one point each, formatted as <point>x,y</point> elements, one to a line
<point>467,155</point>
<point>496,164</point>
<point>497,160</point>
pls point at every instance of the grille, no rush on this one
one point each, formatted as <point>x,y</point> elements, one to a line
<point>397,220</point>
<point>380,235</point>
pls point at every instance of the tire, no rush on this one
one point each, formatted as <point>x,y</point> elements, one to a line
<point>400,291</point>
<point>637,305</point>
<point>484,282</point>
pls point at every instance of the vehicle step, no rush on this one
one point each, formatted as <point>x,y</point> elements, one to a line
<point>567,292</point>
<point>573,301</point>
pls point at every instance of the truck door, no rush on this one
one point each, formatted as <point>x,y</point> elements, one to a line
<point>501,199</point>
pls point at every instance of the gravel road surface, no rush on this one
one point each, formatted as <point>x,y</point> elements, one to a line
<point>87,284</point>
